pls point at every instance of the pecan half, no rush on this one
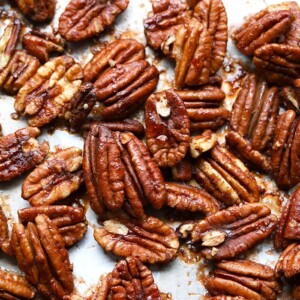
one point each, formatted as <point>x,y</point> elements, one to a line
<point>224,176</point>
<point>231,232</point>
<point>183,171</point>
<point>167,128</point>
<point>148,239</point>
<point>46,95</point>
<point>101,290</point>
<point>55,179</point>
<point>244,278</point>
<point>85,19</point>
<point>5,245</point>
<point>202,143</point>
<point>291,98</point>
<point>124,88</point>
<point>20,152</point>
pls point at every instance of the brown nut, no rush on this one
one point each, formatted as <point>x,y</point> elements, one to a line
<point>167,128</point>
<point>231,232</point>
<point>5,245</point>
<point>296,292</point>
<point>83,20</point>
<point>245,279</point>
<point>226,177</point>
<point>183,171</point>
<point>291,98</point>
<point>224,297</point>
<point>47,94</point>
<point>148,239</point>
<point>202,143</point>
<point>118,52</point>
<point>124,88</point>
<point>20,152</point>
<point>101,290</point>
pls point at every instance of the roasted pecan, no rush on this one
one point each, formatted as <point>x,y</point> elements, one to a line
<point>255,112</point>
<point>4,235</point>
<point>69,220</point>
<point>124,88</point>
<point>41,255</point>
<point>189,198</point>
<point>20,152</point>
<point>296,292</point>
<point>118,52</point>
<point>85,19</point>
<point>55,179</point>
<point>18,71</point>
<point>167,128</point>
<point>42,44</point>
<point>46,95</point>
<point>291,98</point>
<point>202,143</point>
<point>224,297</point>
<point>101,290</point>
<point>292,37</point>
<point>148,239</point>
<point>183,171</point>
<point>285,160</point>
<point>231,232</point>
<point>244,278</point>
<point>224,176</point>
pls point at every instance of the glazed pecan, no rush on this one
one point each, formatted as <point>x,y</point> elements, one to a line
<point>42,44</point>
<point>55,179</point>
<point>285,159</point>
<point>244,278</point>
<point>46,95</point>
<point>231,232</point>
<point>20,152</point>
<point>85,19</point>
<point>41,255</point>
<point>255,112</point>
<point>224,297</point>
<point>124,88</point>
<point>202,143</point>
<point>14,286</point>
<point>167,128</point>
<point>183,171</point>
<point>292,37</point>
<point>101,290</point>
<point>291,98</point>
<point>118,52</point>
<point>18,71</point>
<point>224,176</point>
<point>5,245</point>
<point>148,239</point>
<point>189,198</point>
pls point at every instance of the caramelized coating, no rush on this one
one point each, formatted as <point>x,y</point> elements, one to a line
<point>183,171</point>
<point>202,143</point>
<point>291,98</point>
<point>223,297</point>
<point>101,290</point>
<point>5,245</point>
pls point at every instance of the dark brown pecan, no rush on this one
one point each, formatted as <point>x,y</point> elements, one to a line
<point>291,98</point>
<point>202,143</point>
<point>285,158</point>
<point>255,112</point>
<point>296,292</point>
<point>55,179</point>
<point>183,171</point>
<point>5,245</point>
<point>85,19</point>
<point>124,88</point>
<point>18,71</point>
<point>14,286</point>
<point>279,63</point>
<point>118,52</point>
<point>20,152</point>
<point>224,176</point>
<point>189,198</point>
<point>148,239</point>
<point>47,94</point>
<point>167,128</point>
<point>41,255</point>
<point>42,44</point>
<point>244,278</point>
<point>231,232</point>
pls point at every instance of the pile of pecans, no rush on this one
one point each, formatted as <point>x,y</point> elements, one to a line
<point>129,171</point>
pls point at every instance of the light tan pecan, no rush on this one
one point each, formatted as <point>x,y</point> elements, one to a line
<point>69,220</point>
<point>125,87</point>
<point>5,245</point>
<point>285,159</point>
<point>233,231</point>
<point>41,254</point>
<point>42,44</point>
<point>148,239</point>
<point>167,128</point>
<point>224,176</point>
<point>118,52</point>
<point>47,94</point>
<point>183,171</point>
<point>291,98</point>
<point>202,143</point>
<point>18,71</point>
<point>20,152</point>
<point>245,279</point>
<point>85,19</point>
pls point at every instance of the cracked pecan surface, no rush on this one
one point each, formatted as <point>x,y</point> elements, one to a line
<point>85,19</point>
<point>167,128</point>
<point>20,152</point>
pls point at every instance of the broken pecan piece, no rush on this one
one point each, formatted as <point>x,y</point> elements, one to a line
<point>243,278</point>
<point>231,232</point>
<point>291,98</point>
<point>85,19</point>
<point>167,128</point>
<point>20,152</point>
<point>202,143</point>
<point>5,245</point>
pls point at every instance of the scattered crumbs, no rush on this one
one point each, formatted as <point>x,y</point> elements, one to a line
<point>188,256</point>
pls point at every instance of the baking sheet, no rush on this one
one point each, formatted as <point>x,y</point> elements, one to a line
<point>182,277</point>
